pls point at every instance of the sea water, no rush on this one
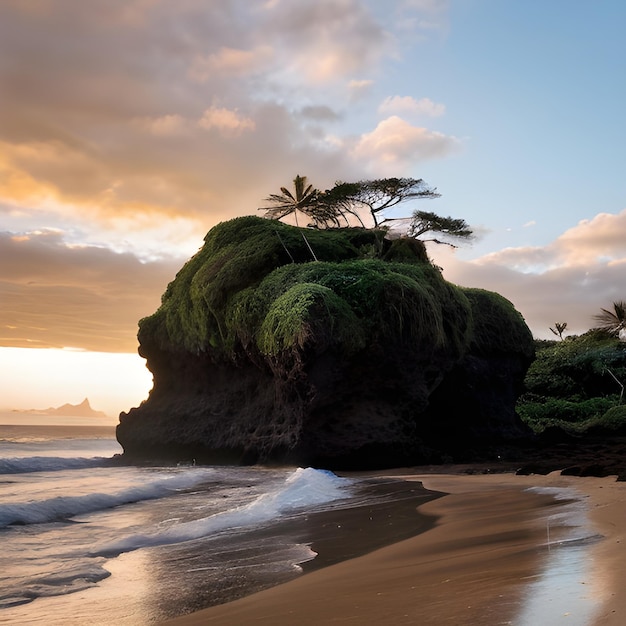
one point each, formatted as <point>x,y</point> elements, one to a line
<point>563,592</point>
<point>84,539</point>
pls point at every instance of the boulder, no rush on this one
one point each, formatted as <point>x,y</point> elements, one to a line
<point>334,348</point>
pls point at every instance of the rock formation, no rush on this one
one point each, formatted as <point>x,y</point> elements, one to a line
<point>363,358</point>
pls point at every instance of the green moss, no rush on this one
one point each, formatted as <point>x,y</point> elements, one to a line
<point>255,288</point>
<point>237,255</point>
<point>391,302</point>
<point>309,315</point>
<point>406,250</point>
<point>497,325</point>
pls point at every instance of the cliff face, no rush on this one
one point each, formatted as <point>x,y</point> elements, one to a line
<point>364,358</point>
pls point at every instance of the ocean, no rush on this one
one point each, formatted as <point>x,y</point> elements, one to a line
<point>87,540</point>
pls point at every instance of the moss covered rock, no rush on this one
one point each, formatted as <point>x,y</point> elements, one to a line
<point>275,343</point>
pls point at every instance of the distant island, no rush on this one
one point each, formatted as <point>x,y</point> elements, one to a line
<point>67,410</point>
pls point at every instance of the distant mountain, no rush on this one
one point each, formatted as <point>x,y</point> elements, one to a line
<point>69,410</point>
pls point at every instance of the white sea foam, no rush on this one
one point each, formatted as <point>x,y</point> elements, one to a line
<point>302,489</point>
<point>66,507</point>
<point>77,577</point>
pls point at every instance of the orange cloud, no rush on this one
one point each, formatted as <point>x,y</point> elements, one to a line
<point>600,240</point>
<point>55,295</point>
<point>227,121</point>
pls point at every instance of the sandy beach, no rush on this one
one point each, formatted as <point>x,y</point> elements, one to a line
<point>488,558</point>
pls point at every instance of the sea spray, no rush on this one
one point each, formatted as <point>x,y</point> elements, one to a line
<point>67,507</point>
<point>305,487</point>
<point>23,465</point>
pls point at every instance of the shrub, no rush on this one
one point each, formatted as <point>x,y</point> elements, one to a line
<point>573,417</point>
<point>576,368</point>
<point>614,418</point>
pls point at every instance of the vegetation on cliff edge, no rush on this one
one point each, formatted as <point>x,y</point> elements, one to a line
<point>254,290</point>
<point>575,384</point>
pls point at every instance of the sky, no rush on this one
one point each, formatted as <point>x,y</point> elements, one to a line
<point>128,128</point>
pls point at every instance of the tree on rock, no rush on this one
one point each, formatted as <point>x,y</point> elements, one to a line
<point>304,199</point>
<point>346,203</point>
<point>424,222</point>
<point>376,196</point>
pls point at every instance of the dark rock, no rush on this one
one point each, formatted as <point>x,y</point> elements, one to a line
<point>345,363</point>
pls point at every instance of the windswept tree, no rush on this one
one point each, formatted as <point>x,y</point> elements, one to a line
<point>303,200</point>
<point>347,203</point>
<point>376,196</point>
<point>424,222</point>
<point>342,202</point>
<point>613,322</point>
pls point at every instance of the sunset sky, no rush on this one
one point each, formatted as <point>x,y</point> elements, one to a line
<point>128,128</point>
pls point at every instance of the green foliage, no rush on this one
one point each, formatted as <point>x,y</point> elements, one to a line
<point>405,250</point>
<point>497,325</point>
<point>576,368</point>
<point>614,418</point>
<point>559,410</point>
<point>309,315</point>
<point>569,384</point>
<point>237,255</point>
<point>391,302</point>
<point>253,289</point>
<point>576,418</point>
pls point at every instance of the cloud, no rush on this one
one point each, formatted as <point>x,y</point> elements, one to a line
<point>395,143</point>
<point>163,125</point>
<point>359,88</point>
<point>328,40</point>
<point>432,6</point>
<point>143,123</point>
<point>406,104</point>
<point>568,280</point>
<point>226,121</point>
<point>320,113</point>
<point>601,239</point>
<point>423,17</point>
<point>55,295</point>
<point>103,103</point>
<point>231,62</point>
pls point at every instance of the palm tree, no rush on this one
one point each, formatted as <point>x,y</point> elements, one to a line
<point>285,203</point>
<point>613,322</point>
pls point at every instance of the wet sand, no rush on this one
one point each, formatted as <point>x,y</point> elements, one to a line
<point>490,542</point>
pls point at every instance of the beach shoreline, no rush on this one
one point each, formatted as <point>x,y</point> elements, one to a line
<point>475,564</point>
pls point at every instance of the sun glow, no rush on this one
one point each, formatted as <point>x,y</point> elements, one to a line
<point>40,378</point>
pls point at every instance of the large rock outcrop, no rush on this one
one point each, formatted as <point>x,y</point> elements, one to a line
<point>338,349</point>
